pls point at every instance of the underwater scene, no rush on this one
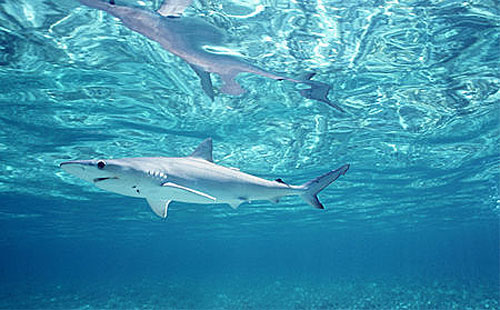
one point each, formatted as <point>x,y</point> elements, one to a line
<point>316,154</point>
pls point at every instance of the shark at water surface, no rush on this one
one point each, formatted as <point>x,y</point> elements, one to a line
<point>186,36</point>
<point>192,179</point>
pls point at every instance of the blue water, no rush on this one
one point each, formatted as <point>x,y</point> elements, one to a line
<point>414,224</point>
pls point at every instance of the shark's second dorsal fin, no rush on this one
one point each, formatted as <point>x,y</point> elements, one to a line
<point>173,8</point>
<point>204,150</point>
<point>281,181</point>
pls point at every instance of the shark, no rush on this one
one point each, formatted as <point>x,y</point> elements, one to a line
<point>188,38</point>
<point>192,179</point>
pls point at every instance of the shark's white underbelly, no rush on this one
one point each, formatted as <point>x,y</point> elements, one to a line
<point>216,193</point>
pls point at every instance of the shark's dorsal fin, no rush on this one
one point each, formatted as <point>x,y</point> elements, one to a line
<point>159,207</point>
<point>189,190</point>
<point>173,8</point>
<point>204,150</point>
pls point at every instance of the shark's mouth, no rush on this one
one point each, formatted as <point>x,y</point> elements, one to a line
<point>104,179</point>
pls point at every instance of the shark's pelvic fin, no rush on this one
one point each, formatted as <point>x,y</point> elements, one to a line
<point>189,190</point>
<point>204,150</point>
<point>235,204</point>
<point>159,207</point>
<point>206,82</point>
<point>173,7</point>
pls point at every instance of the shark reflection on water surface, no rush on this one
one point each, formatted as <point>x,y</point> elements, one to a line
<point>185,38</point>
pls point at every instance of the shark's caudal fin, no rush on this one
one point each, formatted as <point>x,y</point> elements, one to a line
<point>313,187</point>
<point>318,91</point>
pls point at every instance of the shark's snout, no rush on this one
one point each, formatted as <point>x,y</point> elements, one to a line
<point>84,169</point>
<point>76,162</point>
<point>74,166</point>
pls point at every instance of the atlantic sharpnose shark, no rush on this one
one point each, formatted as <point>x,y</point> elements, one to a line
<point>186,36</point>
<point>192,179</point>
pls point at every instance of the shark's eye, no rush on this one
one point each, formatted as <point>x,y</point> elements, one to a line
<point>101,164</point>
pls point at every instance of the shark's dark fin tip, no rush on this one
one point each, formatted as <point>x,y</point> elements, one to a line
<point>281,181</point>
<point>112,2</point>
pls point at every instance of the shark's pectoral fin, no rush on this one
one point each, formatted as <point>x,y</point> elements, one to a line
<point>318,91</point>
<point>206,82</point>
<point>204,150</point>
<point>159,207</point>
<point>189,191</point>
<point>173,8</point>
<point>230,86</point>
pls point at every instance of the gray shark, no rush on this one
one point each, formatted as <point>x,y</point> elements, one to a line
<point>185,38</point>
<point>192,179</point>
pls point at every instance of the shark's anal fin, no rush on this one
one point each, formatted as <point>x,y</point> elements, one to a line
<point>230,86</point>
<point>159,207</point>
<point>206,82</point>
<point>204,150</point>
<point>189,190</point>
<point>173,7</point>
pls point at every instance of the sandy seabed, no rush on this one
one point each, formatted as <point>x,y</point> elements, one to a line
<point>245,293</point>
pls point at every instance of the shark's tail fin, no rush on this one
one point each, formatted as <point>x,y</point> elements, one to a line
<point>313,187</point>
<point>318,91</point>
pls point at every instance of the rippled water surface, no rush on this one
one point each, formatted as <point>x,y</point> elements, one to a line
<point>417,212</point>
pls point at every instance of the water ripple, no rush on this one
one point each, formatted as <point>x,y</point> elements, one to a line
<point>420,82</point>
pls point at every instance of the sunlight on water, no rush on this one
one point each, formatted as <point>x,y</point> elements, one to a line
<point>420,85</point>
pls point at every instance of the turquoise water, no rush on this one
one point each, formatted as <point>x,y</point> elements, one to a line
<point>412,225</point>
